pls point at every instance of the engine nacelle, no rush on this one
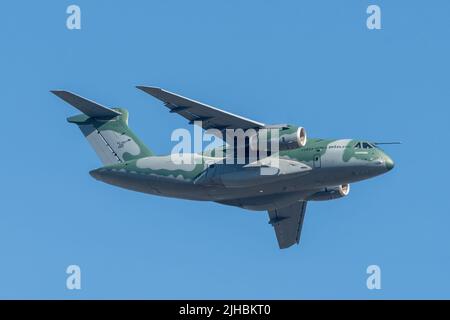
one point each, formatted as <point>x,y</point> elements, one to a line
<point>294,140</point>
<point>331,193</point>
<point>289,137</point>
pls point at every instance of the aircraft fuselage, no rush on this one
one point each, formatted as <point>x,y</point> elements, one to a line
<point>319,164</point>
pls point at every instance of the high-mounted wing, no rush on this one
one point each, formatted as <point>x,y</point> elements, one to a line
<point>288,223</point>
<point>212,118</point>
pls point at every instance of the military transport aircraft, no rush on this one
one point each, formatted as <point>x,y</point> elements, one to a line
<point>307,169</point>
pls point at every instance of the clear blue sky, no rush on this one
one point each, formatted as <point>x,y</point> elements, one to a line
<point>311,63</point>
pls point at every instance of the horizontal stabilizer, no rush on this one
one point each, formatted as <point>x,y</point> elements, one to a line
<point>88,107</point>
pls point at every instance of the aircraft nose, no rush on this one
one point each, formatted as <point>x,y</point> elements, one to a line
<point>389,163</point>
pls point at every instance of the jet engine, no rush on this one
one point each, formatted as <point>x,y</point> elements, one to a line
<point>294,140</point>
<point>289,137</point>
<point>331,193</point>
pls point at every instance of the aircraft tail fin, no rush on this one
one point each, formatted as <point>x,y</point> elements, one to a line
<point>106,129</point>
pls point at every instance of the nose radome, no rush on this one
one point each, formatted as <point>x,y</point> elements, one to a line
<point>389,163</point>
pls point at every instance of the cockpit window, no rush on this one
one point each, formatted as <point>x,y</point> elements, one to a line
<point>363,145</point>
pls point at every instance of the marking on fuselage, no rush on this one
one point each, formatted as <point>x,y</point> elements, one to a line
<point>120,144</point>
<point>334,153</point>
